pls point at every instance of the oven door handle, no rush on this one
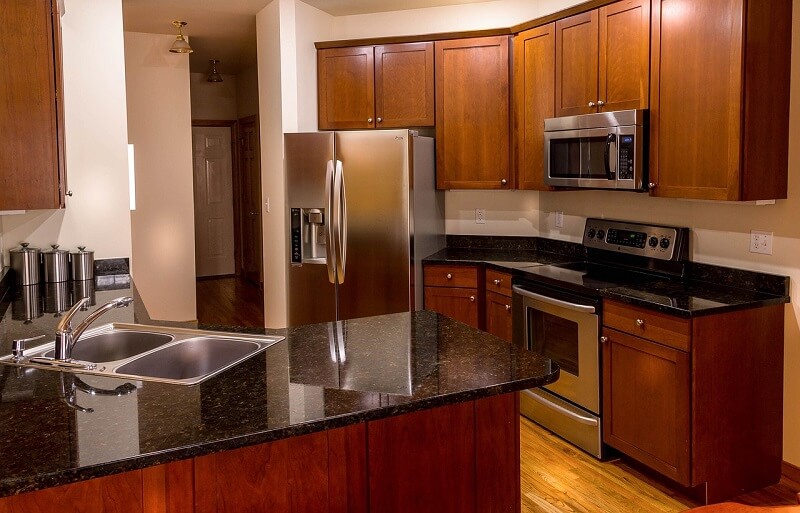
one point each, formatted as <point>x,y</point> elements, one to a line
<point>554,302</point>
<point>577,418</point>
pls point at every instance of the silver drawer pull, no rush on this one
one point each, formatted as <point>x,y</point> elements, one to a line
<point>449,276</point>
<point>508,308</point>
<point>603,339</point>
<point>497,282</point>
<point>472,298</point>
<point>640,322</point>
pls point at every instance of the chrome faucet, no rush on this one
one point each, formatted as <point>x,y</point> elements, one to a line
<point>67,336</point>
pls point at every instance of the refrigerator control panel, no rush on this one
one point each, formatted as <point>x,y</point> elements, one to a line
<point>297,236</point>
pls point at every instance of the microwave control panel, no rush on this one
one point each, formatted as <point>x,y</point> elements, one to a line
<point>651,241</point>
<point>626,155</point>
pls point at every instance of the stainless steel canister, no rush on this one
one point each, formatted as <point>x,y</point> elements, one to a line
<point>56,298</point>
<point>27,305</point>
<point>56,265</point>
<point>81,264</point>
<point>25,261</point>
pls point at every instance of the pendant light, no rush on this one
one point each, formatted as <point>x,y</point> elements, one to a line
<point>181,45</point>
<point>214,76</point>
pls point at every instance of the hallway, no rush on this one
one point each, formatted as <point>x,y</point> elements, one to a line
<point>229,301</point>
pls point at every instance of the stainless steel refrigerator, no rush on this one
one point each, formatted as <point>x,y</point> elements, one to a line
<point>363,213</point>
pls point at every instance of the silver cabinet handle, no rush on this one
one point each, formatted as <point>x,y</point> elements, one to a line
<point>472,299</point>
<point>603,339</point>
<point>497,282</point>
<point>503,181</point>
<point>652,185</point>
<point>600,103</point>
<point>380,120</point>
<point>592,104</point>
<point>449,276</point>
<point>640,322</point>
<point>369,120</point>
<point>508,308</point>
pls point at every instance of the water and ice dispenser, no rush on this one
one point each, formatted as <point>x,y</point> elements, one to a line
<point>308,236</point>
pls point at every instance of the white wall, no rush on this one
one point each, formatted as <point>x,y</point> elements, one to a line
<point>213,100</point>
<point>97,215</point>
<point>247,92</point>
<point>159,127</point>
<point>720,230</point>
<point>286,32</point>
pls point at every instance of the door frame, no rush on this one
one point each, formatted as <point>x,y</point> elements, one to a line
<point>238,172</point>
<point>237,221</point>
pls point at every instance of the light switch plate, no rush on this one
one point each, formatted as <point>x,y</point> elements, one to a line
<point>559,219</point>
<point>480,216</point>
<point>761,242</point>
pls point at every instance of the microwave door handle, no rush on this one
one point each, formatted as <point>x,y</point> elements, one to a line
<point>612,138</point>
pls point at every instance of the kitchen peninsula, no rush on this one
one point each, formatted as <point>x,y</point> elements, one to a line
<point>404,412</point>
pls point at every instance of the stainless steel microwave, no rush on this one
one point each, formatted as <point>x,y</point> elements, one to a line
<point>597,151</point>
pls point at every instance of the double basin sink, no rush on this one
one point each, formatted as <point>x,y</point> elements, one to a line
<point>152,353</point>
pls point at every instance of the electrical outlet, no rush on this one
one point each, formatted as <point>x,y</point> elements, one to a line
<point>480,216</point>
<point>559,219</point>
<point>761,242</point>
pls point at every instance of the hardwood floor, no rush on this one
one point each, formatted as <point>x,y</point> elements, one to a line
<point>229,301</point>
<point>559,478</point>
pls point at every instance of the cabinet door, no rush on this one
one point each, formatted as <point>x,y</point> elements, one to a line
<point>346,88</point>
<point>534,101</point>
<point>576,64</point>
<point>646,407</point>
<point>498,316</point>
<point>472,114</point>
<point>31,120</point>
<point>459,304</point>
<point>404,85</point>
<point>624,73</point>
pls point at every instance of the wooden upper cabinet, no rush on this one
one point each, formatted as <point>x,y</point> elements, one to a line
<point>624,73</point>
<point>32,172</point>
<point>404,89</point>
<point>720,99</point>
<point>603,59</point>
<point>576,64</point>
<point>389,86</point>
<point>534,101</point>
<point>473,114</point>
<point>346,82</point>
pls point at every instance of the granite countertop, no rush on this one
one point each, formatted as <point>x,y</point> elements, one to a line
<point>322,376</point>
<point>704,290</point>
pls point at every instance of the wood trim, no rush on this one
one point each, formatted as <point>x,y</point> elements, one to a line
<point>214,122</point>
<point>442,36</point>
<point>790,472</point>
<point>60,191</point>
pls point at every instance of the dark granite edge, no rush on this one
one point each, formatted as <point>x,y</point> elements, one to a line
<point>688,314</point>
<point>6,281</point>
<point>767,283</point>
<point>16,486</point>
<point>517,243</point>
<point>111,266</point>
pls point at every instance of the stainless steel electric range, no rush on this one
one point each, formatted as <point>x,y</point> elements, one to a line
<point>558,313</point>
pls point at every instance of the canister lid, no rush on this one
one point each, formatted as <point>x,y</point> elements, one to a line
<point>82,249</point>
<point>23,248</point>
<point>56,250</point>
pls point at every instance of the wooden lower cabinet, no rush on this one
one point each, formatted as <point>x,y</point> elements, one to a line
<point>698,400</point>
<point>455,291</point>
<point>498,316</point>
<point>457,458</point>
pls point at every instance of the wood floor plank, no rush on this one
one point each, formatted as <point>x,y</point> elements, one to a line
<point>229,301</point>
<point>557,477</point>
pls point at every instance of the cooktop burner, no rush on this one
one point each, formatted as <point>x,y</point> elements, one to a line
<point>587,276</point>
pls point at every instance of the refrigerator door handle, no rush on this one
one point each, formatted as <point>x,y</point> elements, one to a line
<point>330,250</point>
<point>341,221</point>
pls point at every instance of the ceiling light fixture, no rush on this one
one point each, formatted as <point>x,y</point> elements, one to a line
<point>181,45</point>
<point>214,76</point>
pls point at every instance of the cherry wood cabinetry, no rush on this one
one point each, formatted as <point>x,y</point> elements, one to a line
<point>498,304</point>
<point>32,172</point>
<point>681,395</point>
<point>473,129</point>
<point>602,59</point>
<point>534,101</point>
<point>387,86</point>
<point>453,290</point>
<point>720,99</point>
<point>458,458</point>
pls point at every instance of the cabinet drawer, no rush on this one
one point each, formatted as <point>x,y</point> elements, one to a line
<point>451,276</point>
<point>461,304</point>
<point>498,282</point>
<point>656,326</point>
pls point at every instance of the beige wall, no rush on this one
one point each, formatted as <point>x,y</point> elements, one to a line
<point>720,230</point>
<point>97,215</point>
<point>159,127</point>
<point>213,100</point>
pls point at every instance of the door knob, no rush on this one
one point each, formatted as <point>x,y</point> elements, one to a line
<point>600,103</point>
<point>603,339</point>
<point>503,181</point>
<point>449,276</point>
<point>472,298</point>
<point>380,120</point>
<point>652,185</point>
<point>497,282</point>
<point>640,322</point>
<point>592,104</point>
<point>253,213</point>
<point>508,307</point>
<point>369,120</point>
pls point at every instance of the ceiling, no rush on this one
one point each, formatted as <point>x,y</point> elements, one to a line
<point>226,29</point>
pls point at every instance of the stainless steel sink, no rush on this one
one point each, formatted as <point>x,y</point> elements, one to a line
<point>154,353</point>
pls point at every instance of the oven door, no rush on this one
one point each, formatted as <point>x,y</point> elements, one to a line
<point>565,329</point>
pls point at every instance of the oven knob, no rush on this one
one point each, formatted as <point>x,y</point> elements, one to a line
<point>665,243</point>
<point>601,234</point>
<point>591,233</point>
<point>653,242</point>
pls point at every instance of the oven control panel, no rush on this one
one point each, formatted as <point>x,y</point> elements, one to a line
<point>651,241</point>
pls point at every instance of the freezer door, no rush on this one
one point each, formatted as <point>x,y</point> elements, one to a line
<point>311,292</point>
<point>376,230</point>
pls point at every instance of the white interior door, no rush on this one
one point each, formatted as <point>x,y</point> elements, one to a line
<point>213,201</point>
